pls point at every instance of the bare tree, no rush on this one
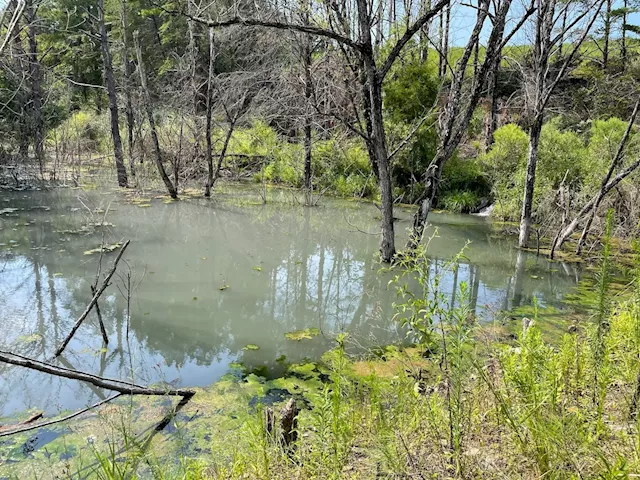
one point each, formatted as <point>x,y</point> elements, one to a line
<point>173,192</point>
<point>37,120</point>
<point>608,183</point>
<point>541,86</point>
<point>373,75</point>
<point>127,87</point>
<point>459,106</point>
<point>112,95</point>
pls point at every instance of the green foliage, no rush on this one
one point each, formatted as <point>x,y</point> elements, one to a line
<point>458,201</point>
<point>561,153</point>
<point>562,156</point>
<point>463,185</point>
<point>82,131</point>
<point>409,95</point>
<point>505,164</point>
<point>604,139</point>
<point>411,91</point>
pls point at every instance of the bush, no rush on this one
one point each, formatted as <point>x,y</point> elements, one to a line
<point>505,164</point>
<point>560,153</point>
<point>87,131</point>
<point>459,201</point>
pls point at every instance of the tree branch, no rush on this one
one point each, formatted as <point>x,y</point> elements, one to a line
<point>93,301</point>
<point>114,385</point>
<point>411,31</point>
<point>257,22</point>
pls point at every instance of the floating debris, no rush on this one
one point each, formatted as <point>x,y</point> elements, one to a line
<point>306,334</point>
<point>103,249</point>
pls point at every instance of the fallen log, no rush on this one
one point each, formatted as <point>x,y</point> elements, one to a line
<point>121,386</point>
<point>94,300</point>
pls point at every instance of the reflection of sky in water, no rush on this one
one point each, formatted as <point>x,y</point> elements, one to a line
<point>286,268</point>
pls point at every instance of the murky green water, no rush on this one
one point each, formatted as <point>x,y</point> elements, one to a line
<point>209,278</point>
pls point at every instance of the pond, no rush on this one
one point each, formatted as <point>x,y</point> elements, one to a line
<point>211,280</point>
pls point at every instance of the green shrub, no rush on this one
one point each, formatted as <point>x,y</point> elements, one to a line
<point>504,165</point>
<point>459,201</point>
<point>85,130</point>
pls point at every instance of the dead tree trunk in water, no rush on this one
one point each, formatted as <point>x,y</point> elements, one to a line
<point>152,123</point>
<point>456,117</point>
<point>113,99</point>
<point>543,88</point>
<point>36,89</point>
<point>127,87</point>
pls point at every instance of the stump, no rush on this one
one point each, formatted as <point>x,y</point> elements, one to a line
<point>289,423</point>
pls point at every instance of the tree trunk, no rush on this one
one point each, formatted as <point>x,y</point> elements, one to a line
<point>563,30</point>
<point>377,137</point>
<point>387,242</point>
<point>530,181</point>
<point>152,124</point>
<point>127,88</point>
<point>623,40</point>
<point>492,95</point>
<point>441,59</point>
<point>113,100</point>
<point>424,34</point>
<point>21,97</point>
<point>223,152</point>
<point>607,34</point>
<point>432,178</point>
<point>308,93</point>
<point>36,90</point>
<point>207,188</point>
<point>445,45</point>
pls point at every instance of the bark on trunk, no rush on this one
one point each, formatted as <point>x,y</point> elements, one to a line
<point>127,88</point>
<point>113,99</point>
<point>36,89</point>
<point>308,93</point>
<point>152,124</point>
<point>623,41</point>
<point>101,382</point>
<point>530,181</point>
<point>209,185</point>
<point>492,95</point>
<point>378,138</point>
<point>424,34</point>
<point>607,34</point>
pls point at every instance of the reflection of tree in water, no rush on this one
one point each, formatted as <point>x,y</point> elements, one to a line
<point>287,267</point>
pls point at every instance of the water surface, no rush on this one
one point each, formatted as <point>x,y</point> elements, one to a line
<point>209,277</point>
